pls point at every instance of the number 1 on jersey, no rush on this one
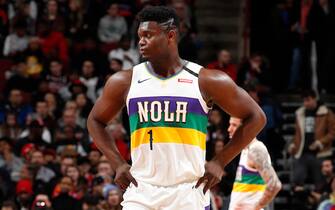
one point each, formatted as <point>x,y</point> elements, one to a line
<point>150,138</point>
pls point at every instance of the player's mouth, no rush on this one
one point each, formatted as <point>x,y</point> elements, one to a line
<point>143,51</point>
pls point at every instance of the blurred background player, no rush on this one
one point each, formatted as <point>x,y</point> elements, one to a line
<point>256,182</point>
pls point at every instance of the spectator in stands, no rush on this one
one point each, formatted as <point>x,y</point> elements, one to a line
<point>315,131</point>
<point>329,203</point>
<point>224,63</point>
<point>53,18</point>
<point>62,196</point>
<point>113,196</point>
<point>43,177</point>
<point>16,105</point>
<point>184,13</point>
<point>18,78</point>
<point>112,27</point>
<point>54,104</point>
<point>65,162</point>
<point>10,128</point>
<point>90,203</point>
<point>75,20</point>
<point>94,158</point>
<point>327,170</point>
<point>115,65</point>
<point>90,51</point>
<point>34,136</point>
<point>42,113</point>
<point>89,79</point>
<point>42,201</point>
<point>53,43</point>
<point>24,194</point>
<point>17,41</point>
<point>79,182</point>
<point>98,184</point>
<point>8,205</point>
<point>51,159</point>
<point>187,46</point>
<point>104,169</point>
<point>84,105</point>
<point>126,53</point>
<point>34,119</point>
<point>55,77</point>
<point>68,132</point>
<point>8,160</point>
<point>27,13</point>
<point>34,57</point>
<point>254,71</point>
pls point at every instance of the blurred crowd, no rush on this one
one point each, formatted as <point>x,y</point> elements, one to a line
<point>56,57</point>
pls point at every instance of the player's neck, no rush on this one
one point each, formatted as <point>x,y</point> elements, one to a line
<point>167,66</point>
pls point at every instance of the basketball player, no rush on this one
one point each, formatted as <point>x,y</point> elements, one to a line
<point>256,182</point>
<point>168,100</point>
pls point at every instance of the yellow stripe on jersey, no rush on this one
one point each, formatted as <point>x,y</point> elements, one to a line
<point>168,135</point>
<point>241,187</point>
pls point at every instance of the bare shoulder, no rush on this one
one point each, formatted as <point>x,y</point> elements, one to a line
<point>213,76</point>
<point>210,80</point>
<point>120,78</point>
<point>118,83</point>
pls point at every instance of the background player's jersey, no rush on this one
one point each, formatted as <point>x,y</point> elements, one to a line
<point>249,186</point>
<point>168,123</point>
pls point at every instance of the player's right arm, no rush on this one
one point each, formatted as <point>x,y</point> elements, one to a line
<point>104,110</point>
<point>258,159</point>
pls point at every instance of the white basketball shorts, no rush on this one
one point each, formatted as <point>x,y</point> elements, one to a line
<point>180,197</point>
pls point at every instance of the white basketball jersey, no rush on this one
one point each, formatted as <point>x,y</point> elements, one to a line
<point>168,123</point>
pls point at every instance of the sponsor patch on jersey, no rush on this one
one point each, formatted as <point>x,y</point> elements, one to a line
<point>185,80</point>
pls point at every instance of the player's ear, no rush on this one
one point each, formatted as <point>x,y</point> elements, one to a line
<point>172,35</point>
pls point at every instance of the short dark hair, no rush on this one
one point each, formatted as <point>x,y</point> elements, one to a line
<point>119,61</point>
<point>159,14</point>
<point>9,203</point>
<point>308,93</point>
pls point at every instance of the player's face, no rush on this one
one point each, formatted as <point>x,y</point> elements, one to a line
<point>153,41</point>
<point>234,123</point>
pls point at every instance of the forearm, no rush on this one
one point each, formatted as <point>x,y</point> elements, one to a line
<point>272,189</point>
<point>104,142</point>
<point>249,129</point>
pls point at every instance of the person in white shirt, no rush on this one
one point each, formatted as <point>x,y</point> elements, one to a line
<point>16,42</point>
<point>112,26</point>
<point>127,54</point>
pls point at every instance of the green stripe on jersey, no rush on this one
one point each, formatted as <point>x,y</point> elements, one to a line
<point>194,121</point>
<point>251,179</point>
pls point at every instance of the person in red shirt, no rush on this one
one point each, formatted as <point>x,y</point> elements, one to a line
<point>53,43</point>
<point>224,64</point>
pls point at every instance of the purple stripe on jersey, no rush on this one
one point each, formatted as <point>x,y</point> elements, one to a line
<point>193,106</point>
<point>207,208</point>
<point>245,171</point>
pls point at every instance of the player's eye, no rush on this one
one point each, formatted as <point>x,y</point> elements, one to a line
<point>148,36</point>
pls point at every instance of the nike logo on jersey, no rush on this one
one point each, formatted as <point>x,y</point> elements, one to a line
<point>140,81</point>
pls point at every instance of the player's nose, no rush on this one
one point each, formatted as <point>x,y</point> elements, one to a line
<point>141,42</point>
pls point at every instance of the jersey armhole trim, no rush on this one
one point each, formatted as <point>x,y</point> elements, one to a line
<point>130,86</point>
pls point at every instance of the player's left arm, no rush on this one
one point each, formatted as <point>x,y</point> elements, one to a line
<point>217,87</point>
<point>258,159</point>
